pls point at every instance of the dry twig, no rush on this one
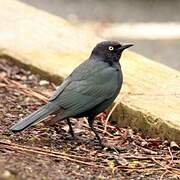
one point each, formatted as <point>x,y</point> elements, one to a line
<point>25,90</point>
<point>22,149</point>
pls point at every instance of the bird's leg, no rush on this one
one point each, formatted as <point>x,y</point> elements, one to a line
<point>70,128</point>
<point>91,121</point>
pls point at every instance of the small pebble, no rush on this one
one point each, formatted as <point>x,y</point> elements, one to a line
<point>18,106</point>
<point>174,145</point>
<point>6,174</point>
<point>43,82</point>
<point>31,77</point>
<point>24,78</point>
<point>21,115</point>
<point>3,74</point>
<point>17,93</point>
<point>18,77</point>
<point>144,143</point>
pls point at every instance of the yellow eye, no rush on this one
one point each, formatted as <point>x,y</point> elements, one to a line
<point>111,48</point>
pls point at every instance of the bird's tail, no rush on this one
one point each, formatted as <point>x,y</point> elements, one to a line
<point>33,118</point>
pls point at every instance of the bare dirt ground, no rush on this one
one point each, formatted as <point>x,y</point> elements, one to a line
<point>46,151</point>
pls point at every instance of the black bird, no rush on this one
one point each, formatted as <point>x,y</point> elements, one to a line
<point>87,91</point>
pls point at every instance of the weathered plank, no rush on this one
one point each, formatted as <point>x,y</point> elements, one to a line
<point>151,91</point>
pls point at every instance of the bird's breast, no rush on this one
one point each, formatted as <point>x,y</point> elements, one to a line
<point>110,79</point>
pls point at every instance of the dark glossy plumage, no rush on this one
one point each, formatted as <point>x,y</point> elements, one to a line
<point>88,90</point>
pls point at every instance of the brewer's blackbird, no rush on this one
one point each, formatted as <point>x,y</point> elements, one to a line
<point>87,91</point>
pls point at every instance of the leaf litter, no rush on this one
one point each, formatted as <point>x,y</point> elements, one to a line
<point>46,151</point>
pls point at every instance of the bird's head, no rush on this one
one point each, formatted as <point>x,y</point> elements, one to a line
<point>109,51</point>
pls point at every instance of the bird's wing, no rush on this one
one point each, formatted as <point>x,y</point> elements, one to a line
<point>60,89</point>
<point>82,72</point>
<point>82,94</point>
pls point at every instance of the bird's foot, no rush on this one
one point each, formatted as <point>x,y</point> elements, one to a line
<point>96,142</point>
<point>71,137</point>
<point>76,139</point>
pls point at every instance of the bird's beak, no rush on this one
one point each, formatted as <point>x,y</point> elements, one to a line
<point>123,47</point>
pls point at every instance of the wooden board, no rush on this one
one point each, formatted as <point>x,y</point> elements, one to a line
<point>151,91</point>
